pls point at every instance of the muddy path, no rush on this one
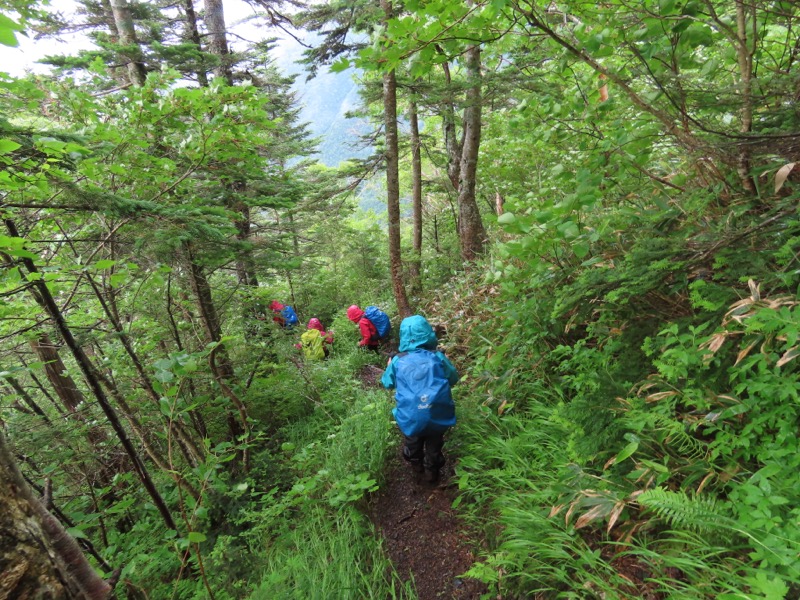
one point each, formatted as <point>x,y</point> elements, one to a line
<point>424,536</point>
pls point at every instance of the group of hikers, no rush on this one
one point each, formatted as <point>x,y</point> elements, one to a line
<point>315,342</point>
<point>420,374</point>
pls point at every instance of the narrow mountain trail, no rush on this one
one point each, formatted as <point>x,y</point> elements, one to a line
<point>424,537</point>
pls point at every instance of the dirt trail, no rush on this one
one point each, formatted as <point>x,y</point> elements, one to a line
<point>423,535</point>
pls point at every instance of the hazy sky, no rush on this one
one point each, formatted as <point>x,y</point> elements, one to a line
<point>17,60</point>
<point>324,101</point>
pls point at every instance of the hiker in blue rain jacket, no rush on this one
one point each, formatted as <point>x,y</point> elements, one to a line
<point>424,409</point>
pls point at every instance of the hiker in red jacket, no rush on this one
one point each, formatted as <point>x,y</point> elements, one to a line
<point>369,335</point>
<point>277,317</point>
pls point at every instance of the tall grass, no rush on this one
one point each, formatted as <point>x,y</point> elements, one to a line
<point>329,555</point>
<point>314,540</point>
<point>509,475</point>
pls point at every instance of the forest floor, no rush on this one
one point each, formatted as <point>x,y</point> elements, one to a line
<point>423,535</point>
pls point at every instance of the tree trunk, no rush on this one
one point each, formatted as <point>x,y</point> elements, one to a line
<point>208,314</point>
<point>43,296</point>
<point>193,33</point>
<point>69,394</point>
<point>415,265</point>
<point>41,387</point>
<point>245,265</point>
<point>451,143</point>
<point>197,418</point>
<point>119,74</point>
<point>220,364</point>
<point>38,559</point>
<point>436,235</point>
<point>26,398</point>
<point>48,504</point>
<point>393,182</point>
<point>127,37</point>
<point>66,389</point>
<point>470,226</point>
<point>745,59</point>
<point>108,19</point>
<point>215,24</point>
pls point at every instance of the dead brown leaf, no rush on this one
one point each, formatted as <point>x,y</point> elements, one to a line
<point>586,518</point>
<point>790,354</point>
<point>615,513</point>
<point>782,175</point>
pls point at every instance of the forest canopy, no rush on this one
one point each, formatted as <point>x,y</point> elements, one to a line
<point>596,206</point>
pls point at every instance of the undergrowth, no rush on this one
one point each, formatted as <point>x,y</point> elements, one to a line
<point>629,428</point>
<point>308,536</point>
<point>316,541</point>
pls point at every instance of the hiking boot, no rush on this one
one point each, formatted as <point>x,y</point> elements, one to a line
<point>431,476</point>
<point>416,463</point>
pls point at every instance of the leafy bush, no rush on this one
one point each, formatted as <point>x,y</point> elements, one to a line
<point>636,421</point>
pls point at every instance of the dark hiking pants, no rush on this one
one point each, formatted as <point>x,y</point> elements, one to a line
<point>425,449</point>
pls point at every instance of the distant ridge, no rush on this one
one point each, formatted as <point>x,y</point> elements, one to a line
<point>325,100</point>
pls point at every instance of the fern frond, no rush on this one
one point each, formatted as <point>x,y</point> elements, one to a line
<point>669,433</point>
<point>702,515</point>
<point>677,439</point>
<point>698,513</point>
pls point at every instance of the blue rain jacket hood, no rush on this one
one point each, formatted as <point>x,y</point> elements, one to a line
<point>416,333</point>
<point>422,378</point>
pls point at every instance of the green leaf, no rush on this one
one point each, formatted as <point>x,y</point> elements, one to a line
<point>77,533</point>
<point>166,406</point>
<point>164,376</point>
<point>117,278</point>
<point>20,253</point>
<point>581,249</point>
<point>569,229</point>
<point>7,145</point>
<point>163,364</point>
<point>121,506</point>
<point>655,466</point>
<point>340,65</point>
<point>506,218</point>
<point>667,6</point>
<point>7,29</point>
<point>771,588</point>
<point>627,451</point>
<point>766,472</point>
<point>104,264</point>
<point>196,537</point>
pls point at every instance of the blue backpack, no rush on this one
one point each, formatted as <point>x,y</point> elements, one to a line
<point>289,316</point>
<point>380,319</point>
<point>424,402</point>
